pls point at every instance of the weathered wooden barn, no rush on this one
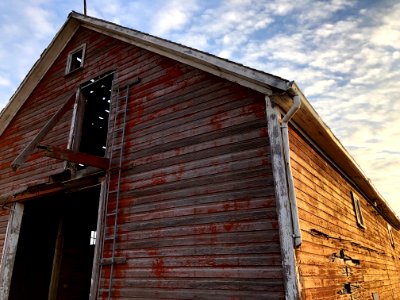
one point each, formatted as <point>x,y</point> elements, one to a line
<point>132,167</point>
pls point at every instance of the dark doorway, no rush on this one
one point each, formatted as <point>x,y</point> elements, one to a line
<point>55,247</point>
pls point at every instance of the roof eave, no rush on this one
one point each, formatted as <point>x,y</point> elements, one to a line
<point>232,71</point>
<point>312,124</point>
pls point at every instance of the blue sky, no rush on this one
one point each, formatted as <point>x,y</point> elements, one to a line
<point>345,55</point>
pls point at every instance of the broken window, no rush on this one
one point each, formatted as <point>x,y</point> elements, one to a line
<point>357,210</point>
<point>90,123</point>
<point>75,59</point>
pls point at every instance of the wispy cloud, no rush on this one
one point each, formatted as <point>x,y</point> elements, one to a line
<point>4,81</point>
<point>388,33</point>
<point>222,29</point>
<point>173,15</point>
<point>344,54</point>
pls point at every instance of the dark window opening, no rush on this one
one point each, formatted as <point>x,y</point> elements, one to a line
<point>96,99</point>
<point>357,210</point>
<point>75,59</point>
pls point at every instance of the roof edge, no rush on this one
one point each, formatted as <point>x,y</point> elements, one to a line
<point>37,72</point>
<point>230,70</point>
<point>346,162</point>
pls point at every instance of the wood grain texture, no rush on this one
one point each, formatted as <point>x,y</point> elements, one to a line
<point>327,219</point>
<point>197,213</point>
<point>9,245</point>
<point>286,233</point>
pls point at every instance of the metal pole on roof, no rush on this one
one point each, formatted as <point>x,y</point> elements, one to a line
<point>84,7</point>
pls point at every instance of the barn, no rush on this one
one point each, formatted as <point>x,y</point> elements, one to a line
<point>133,167</point>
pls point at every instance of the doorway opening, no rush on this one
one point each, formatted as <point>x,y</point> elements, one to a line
<point>55,249</point>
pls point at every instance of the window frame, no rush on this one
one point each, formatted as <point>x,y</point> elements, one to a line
<point>391,237</point>
<point>358,211</point>
<point>69,59</point>
<point>77,120</point>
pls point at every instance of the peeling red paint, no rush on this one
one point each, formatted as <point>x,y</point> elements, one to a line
<point>228,226</point>
<point>216,121</point>
<point>152,252</point>
<point>158,267</point>
<point>179,173</point>
<point>158,179</point>
<point>227,206</point>
<point>212,228</point>
<point>260,113</point>
<point>174,72</point>
<point>210,261</point>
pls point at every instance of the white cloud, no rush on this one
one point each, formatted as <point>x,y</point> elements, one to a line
<point>317,11</point>
<point>319,87</point>
<point>227,27</point>
<point>283,7</point>
<point>388,33</point>
<point>40,21</point>
<point>173,16</point>
<point>4,81</point>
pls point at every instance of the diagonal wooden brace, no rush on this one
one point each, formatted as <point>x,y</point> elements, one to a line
<point>42,133</point>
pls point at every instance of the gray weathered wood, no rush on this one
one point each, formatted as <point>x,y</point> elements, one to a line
<point>57,259</point>
<point>94,282</point>
<point>10,249</point>
<point>283,205</point>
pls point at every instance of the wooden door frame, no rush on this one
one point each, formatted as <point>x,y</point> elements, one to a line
<point>10,248</point>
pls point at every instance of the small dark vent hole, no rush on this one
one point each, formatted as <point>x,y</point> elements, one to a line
<point>347,288</point>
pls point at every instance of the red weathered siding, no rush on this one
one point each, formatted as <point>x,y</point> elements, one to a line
<point>197,211</point>
<point>328,225</point>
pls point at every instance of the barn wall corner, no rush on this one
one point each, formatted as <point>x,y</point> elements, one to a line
<point>289,265</point>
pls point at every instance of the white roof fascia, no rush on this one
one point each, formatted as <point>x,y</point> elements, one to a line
<point>246,76</point>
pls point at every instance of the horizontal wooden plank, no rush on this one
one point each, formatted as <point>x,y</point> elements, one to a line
<point>198,294</point>
<point>232,284</point>
<point>76,157</point>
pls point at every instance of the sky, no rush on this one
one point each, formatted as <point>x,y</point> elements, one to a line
<point>344,55</point>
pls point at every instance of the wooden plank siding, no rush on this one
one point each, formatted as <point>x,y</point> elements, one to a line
<point>197,213</point>
<point>328,225</point>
